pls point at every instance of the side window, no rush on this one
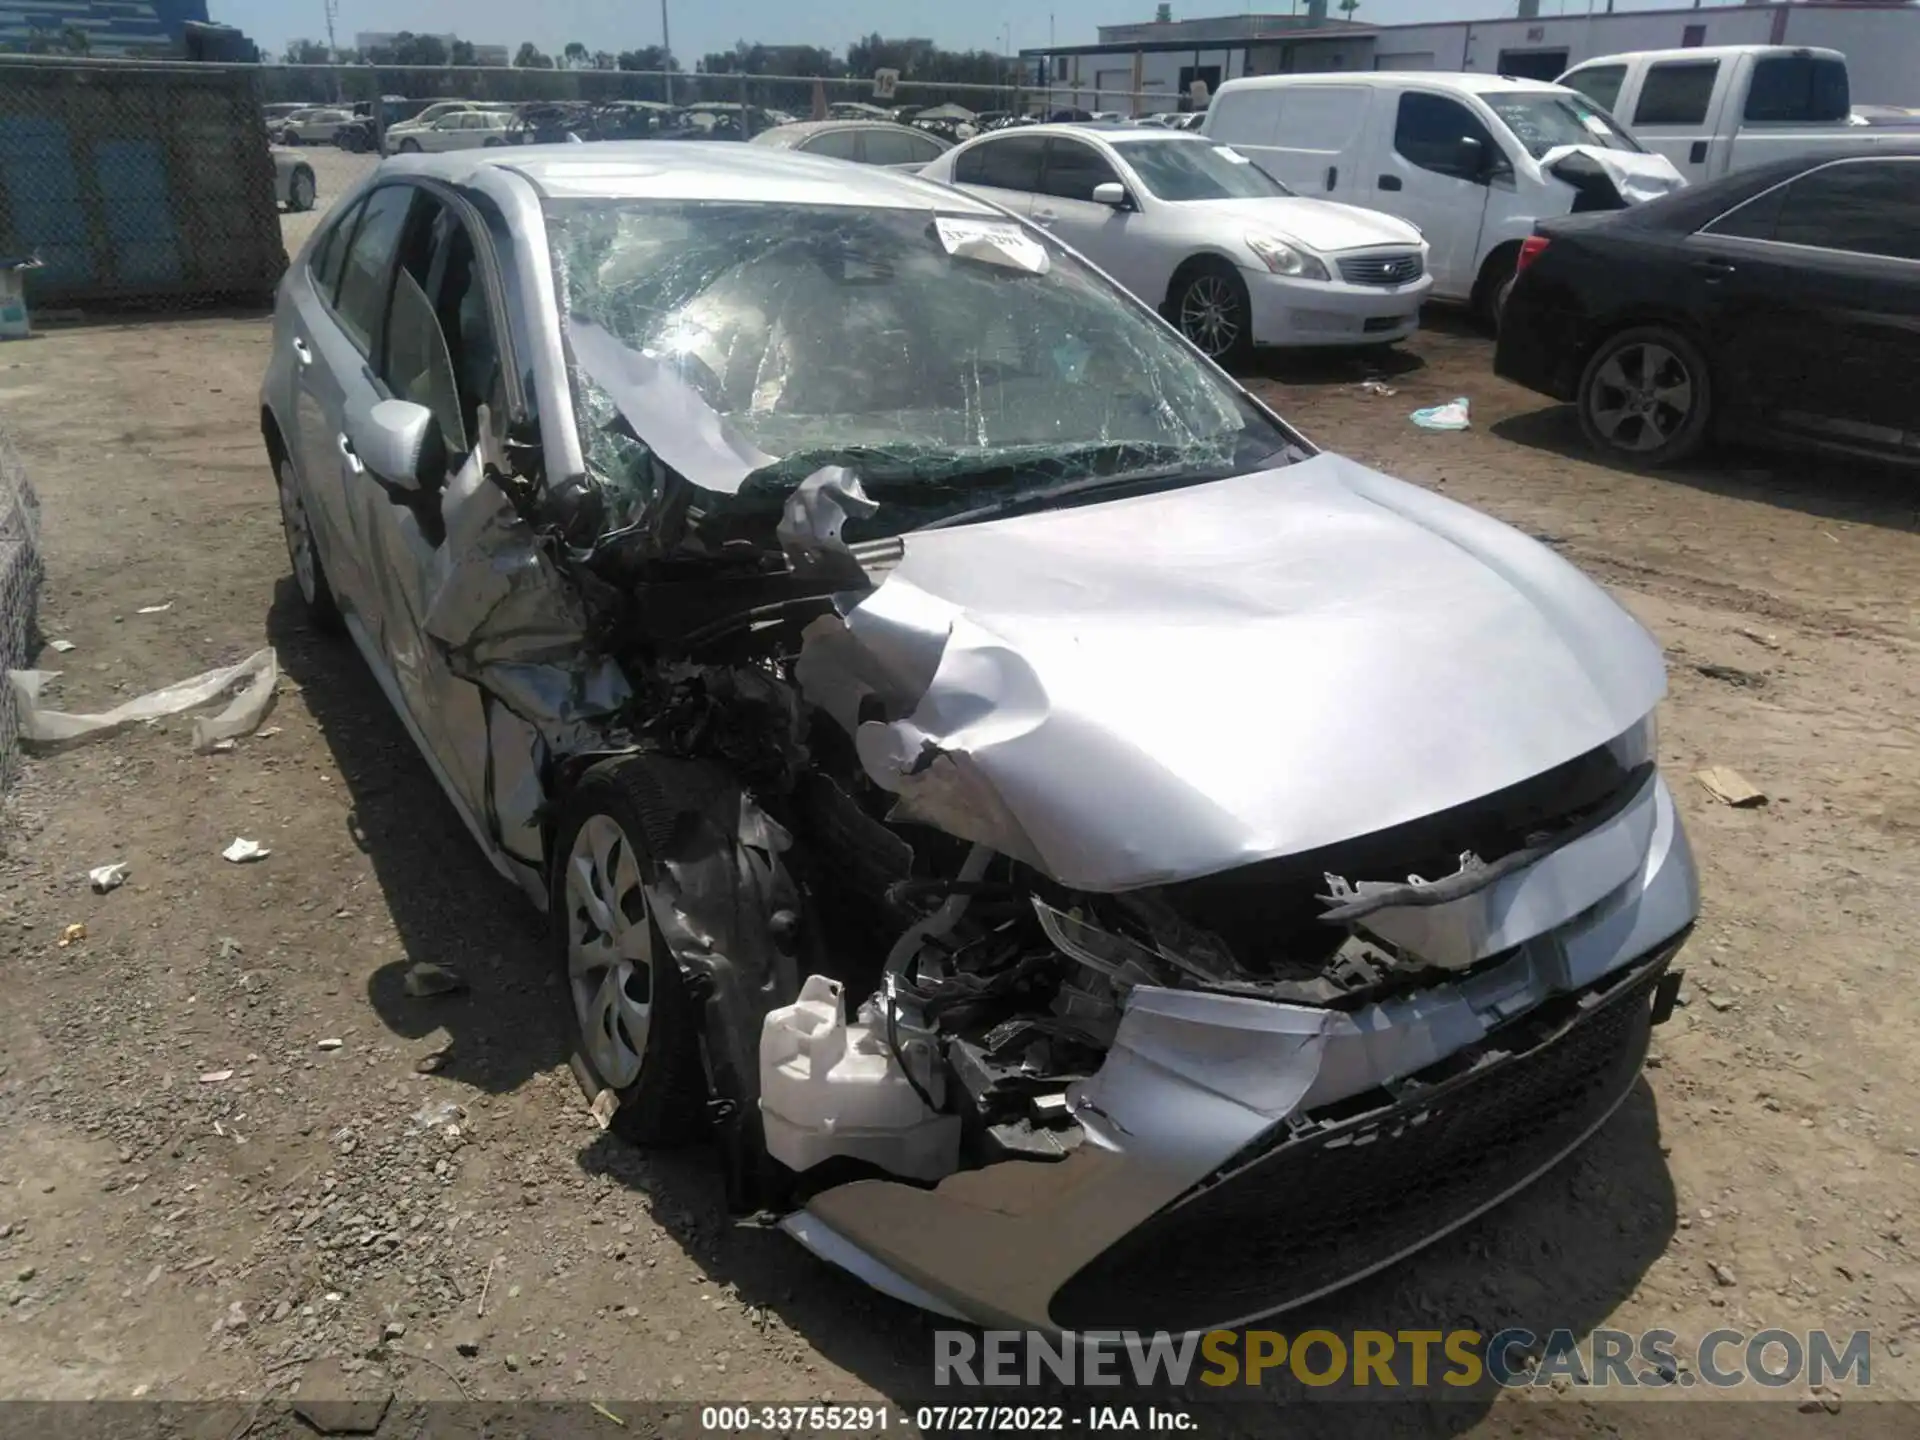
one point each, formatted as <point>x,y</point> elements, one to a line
<point>1246,117</point>
<point>895,147</point>
<point>1798,90</point>
<point>1676,92</point>
<point>1010,164</point>
<point>331,256</point>
<point>925,148</point>
<point>363,285</point>
<point>835,144</point>
<point>1864,207</point>
<point>1434,131</point>
<point>1599,83</point>
<point>441,346</point>
<point>1755,220</point>
<point>1073,169</point>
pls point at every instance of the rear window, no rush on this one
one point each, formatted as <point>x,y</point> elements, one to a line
<point>1798,89</point>
<point>1676,92</point>
<point>1600,84</point>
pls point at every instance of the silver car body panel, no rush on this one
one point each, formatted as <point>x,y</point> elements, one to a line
<point>1193,1078</point>
<point>1077,693</point>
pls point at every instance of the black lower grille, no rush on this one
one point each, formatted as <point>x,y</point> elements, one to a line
<point>1309,1207</point>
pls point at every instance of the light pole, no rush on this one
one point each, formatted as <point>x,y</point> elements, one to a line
<point>666,45</point>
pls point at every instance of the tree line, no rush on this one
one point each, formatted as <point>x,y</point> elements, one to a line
<point>579,73</point>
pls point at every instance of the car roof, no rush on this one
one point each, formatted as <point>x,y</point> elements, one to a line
<point>1465,83</point>
<point>693,170</point>
<point>1685,210</point>
<point>799,130</point>
<point>1707,52</point>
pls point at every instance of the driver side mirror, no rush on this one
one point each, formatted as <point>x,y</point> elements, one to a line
<point>1112,192</point>
<point>402,446</point>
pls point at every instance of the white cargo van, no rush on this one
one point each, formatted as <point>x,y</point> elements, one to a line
<point>1473,160</point>
<point>1716,109</point>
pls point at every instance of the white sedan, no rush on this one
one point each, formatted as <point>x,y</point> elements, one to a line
<point>1223,250</point>
<point>463,130</point>
<point>316,126</point>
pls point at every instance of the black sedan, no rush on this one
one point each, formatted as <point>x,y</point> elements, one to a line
<point>1781,301</point>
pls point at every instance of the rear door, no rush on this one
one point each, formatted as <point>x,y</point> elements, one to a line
<point>1826,273</point>
<point>1433,172</point>
<point>1005,170</point>
<point>345,334</point>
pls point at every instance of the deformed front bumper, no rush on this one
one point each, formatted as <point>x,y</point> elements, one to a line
<point>1243,1157</point>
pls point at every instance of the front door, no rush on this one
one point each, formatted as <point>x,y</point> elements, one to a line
<point>1824,274</point>
<point>1004,170</point>
<point>1104,234</point>
<point>1435,173</point>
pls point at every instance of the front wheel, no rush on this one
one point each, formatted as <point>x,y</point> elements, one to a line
<point>1647,396</point>
<point>491,142</point>
<point>1211,308</point>
<point>635,1027</point>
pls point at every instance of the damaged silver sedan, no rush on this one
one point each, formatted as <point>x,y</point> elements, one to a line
<point>1086,858</point>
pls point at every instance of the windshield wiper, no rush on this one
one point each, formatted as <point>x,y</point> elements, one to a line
<point>1044,497</point>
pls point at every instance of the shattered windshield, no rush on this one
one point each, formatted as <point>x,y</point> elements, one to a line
<point>1545,120</point>
<point>740,347</point>
<point>1198,170</point>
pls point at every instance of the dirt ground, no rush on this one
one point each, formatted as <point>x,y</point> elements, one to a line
<point>202,1195</point>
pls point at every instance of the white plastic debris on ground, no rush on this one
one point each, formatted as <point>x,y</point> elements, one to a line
<point>242,850</point>
<point>107,877</point>
<point>1454,415</point>
<point>257,675</point>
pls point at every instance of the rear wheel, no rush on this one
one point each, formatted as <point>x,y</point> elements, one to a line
<point>308,573</point>
<point>301,190</point>
<point>1646,395</point>
<point>409,147</point>
<point>1210,306</point>
<point>1491,287</point>
<point>635,1027</point>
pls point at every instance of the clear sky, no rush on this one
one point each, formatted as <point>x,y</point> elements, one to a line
<point>701,26</point>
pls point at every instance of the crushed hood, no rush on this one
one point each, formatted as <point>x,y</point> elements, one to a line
<point>1323,225</point>
<point>1163,687</point>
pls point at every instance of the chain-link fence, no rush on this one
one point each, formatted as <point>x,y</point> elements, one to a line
<point>20,574</point>
<point>135,182</point>
<point>162,183</point>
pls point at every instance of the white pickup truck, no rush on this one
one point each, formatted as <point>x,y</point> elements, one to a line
<point>1712,110</point>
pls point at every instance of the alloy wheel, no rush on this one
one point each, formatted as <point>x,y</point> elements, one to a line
<point>1208,314</point>
<point>1641,397</point>
<point>293,519</point>
<point>609,950</point>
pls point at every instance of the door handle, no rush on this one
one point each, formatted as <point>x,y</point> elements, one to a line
<point>350,455</point>
<point>302,351</point>
<point>1714,269</point>
<point>1045,217</point>
<point>1333,176</point>
<point>1391,182</point>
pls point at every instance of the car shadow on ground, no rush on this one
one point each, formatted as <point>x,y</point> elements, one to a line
<point>449,906</point>
<point>1385,363</point>
<point>1562,1255</point>
<point>1857,491</point>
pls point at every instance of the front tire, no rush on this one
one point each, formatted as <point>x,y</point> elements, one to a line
<point>636,1030</point>
<point>1646,396</point>
<point>1210,307</point>
<point>323,612</point>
